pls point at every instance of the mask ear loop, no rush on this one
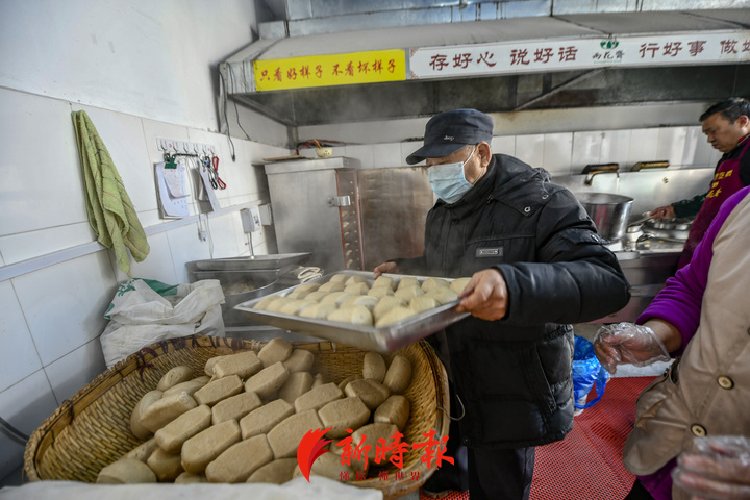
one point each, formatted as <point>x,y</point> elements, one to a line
<point>463,167</point>
<point>476,146</point>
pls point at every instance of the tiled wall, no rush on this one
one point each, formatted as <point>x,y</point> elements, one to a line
<point>50,318</point>
<point>566,153</point>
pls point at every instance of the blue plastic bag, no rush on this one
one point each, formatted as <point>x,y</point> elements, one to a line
<point>587,372</point>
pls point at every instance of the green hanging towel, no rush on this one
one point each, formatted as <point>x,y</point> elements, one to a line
<point>108,205</point>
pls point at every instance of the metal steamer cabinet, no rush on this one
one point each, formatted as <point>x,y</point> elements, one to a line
<point>348,217</point>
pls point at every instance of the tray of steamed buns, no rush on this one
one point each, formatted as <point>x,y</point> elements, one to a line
<point>355,308</point>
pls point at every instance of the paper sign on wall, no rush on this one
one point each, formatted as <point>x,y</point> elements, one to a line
<point>172,190</point>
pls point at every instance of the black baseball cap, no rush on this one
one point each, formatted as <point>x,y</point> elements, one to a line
<point>451,130</point>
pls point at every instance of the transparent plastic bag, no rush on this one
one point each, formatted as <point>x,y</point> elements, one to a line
<point>717,468</point>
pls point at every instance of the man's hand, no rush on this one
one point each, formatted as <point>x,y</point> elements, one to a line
<point>389,266</point>
<point>485,296</point>
<point>664,212</point>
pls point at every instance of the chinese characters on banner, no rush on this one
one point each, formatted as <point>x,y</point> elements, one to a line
<point>706,47</point>
<point>329,69</point>
<point>560,55</point>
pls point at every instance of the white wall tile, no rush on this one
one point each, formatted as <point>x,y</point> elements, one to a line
<point>587,149</point>
<point>11,458</point>
<point>21,246</point>
<point>123,137</point>
<point>223,234</point>
<point>643,144</point>
<point>186,246</point>
<point>408,148</point>
<point>241,239</point>
<point>159,264</point>
<point>64,304</point>
<point>387,155</point>
<point>153,129</point>
<point>703,154</point>
<point>260,151</point>
<point>693,139</point>
<point>268,246</point>
<point>18,357</point>
<point>339,151</point>
<point>530,148</point>
<point>505,144</point>
<point>671,144</point>
<point>71,372</point>
<point>27,403</point>
<point>243,199</point>
<point>150,218</point>
<point>615,147</point>
<point>256,171</point>
<point>362,153</point>
<point>261,247</point>
<point>25,406</point>
<point>42,184</point>
<point>558,151</point>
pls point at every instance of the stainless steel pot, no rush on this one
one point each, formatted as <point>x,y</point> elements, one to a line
<point>609,212</point>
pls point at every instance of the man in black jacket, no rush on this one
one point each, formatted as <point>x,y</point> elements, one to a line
<point>536,264</point>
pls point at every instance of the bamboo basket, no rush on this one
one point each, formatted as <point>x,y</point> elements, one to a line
<point>91,430</point>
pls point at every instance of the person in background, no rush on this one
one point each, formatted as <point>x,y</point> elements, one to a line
<point>727,127</point>
<point>536,264</point>
<point>702,313</point>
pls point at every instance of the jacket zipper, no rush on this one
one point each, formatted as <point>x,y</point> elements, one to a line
<point>448,221</point>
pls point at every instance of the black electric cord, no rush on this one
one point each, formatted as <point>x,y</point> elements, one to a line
<point>236,111</point>
<point>13,433</point>
<point>226,120</point>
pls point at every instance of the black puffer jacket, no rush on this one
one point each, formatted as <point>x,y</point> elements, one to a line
<point>514,375</point>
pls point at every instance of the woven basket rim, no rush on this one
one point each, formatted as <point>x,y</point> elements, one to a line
<point>65,413</point>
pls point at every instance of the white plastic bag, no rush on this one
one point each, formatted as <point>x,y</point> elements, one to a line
<point>139,316</point>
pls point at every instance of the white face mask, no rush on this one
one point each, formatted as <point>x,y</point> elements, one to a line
<point>448,181</point>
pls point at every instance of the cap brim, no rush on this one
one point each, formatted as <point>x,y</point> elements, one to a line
<point>432,151</point>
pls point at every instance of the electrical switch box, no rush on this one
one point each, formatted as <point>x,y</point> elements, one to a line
<point>250,219</point>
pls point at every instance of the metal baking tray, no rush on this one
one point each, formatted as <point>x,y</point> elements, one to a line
<point>247,263</point>
<point>383,339</point>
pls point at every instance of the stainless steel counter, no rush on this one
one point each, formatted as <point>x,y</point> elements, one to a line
<point>648,267</point>
<point>647,271</point>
